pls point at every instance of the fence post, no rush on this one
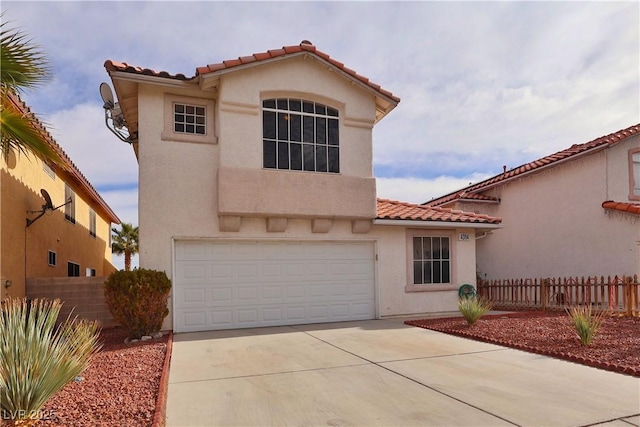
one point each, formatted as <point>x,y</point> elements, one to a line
<point>544,293</point>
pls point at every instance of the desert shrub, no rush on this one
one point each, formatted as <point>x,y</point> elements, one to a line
<point>37,358</point>
<point>473,308</point>
<point>137,300</point>
<point>586,322</point>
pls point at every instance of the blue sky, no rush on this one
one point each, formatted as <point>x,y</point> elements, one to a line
<point>482,84</point>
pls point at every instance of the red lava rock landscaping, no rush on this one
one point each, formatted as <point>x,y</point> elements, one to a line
<point>119,388</point>
<point>616,346</point>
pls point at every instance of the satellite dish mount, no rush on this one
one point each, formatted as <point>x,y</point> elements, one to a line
<point>48,206</point>
<point>113,117</point>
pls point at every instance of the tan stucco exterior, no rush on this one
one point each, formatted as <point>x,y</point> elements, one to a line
<point>215,186</point>
<point>24,251</point>
<point>554,222</point>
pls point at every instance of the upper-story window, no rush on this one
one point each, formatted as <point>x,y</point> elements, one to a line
<point>189,119</point>
<point>300,135</point>
<point>92,222</point>
<point>69,208</point>
<point>634,174</point>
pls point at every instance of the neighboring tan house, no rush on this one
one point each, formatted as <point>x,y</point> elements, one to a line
<point>257,197</point>
<point>73,240</point>
<point>572,213</point>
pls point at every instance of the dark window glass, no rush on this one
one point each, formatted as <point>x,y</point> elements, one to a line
<point>179,108</point>
<point>200,111</point>
<point>334,160</point>
<point>269,124</point>
<point>445,272</point>
<point>190,129</point>
<point>307,125</point>
<point>191,119</point>
<point>437,250</point>
<point>190,109</point>
<point>308,156</point>
<point>321,158</point>
<point>178,127</point>
<point>73,269</point>
<point>269,157</point>
<point>296,156</point>
<point>283,155</point>
<point>332,129</point>
<point>307,107</point>
<point>179,118</point>
<point>417,273</point>
<point>52,258</point>
<point>321,130</point>
<point>295,121</point>
<point>200,130</point>
<point>283,127</point>
<point>426,272</point>
<point>295,105</point>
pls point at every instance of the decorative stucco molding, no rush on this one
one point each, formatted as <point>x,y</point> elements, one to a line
<point>230,223</point>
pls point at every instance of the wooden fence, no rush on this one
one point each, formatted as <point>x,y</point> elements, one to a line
<point>619,294</point>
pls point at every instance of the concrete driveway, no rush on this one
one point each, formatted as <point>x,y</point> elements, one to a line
<point>383,373</point>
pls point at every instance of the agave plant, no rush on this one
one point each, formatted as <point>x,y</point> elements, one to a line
<point>586,322</point>
<point>473,308</point>
<point>37,358</point>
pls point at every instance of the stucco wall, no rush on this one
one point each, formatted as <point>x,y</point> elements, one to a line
<point>554,223</point>
<point>21,180</point>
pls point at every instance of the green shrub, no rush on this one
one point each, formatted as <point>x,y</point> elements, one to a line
<point>137,300</point>
<point>473,308</point>
<point>586,322</point>
<point>37,358</point>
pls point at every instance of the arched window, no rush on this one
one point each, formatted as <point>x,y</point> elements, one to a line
<point>300,135</point>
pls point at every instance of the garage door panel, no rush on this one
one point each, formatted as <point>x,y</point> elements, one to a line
<point>227,284</point>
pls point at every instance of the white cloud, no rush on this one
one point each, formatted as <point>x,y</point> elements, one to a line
<point>416,190</point>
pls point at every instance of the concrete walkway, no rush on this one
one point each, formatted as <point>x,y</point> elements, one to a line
<point>383,373</point>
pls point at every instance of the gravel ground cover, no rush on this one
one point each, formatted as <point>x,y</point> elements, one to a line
<point>119,388</point>
<point>615,348</point>
<point>121,385</point>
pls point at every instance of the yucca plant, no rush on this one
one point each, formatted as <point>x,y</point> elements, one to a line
<point>473,308</point>
<point>586,322</point>
<point>37,358</point>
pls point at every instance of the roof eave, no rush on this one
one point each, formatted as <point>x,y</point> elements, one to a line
<point>436,224</point>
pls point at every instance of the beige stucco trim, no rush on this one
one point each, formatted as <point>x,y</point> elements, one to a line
<point>169,135</point>
<point>435,224</point>
<point>240,108</point>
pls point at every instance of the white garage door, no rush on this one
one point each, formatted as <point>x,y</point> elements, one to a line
<point>242,284</point>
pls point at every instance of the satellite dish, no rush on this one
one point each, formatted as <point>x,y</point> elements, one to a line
<point>48,203</point>
<point>107,96</point>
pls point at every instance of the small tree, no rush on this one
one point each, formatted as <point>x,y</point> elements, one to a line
<point>37,358</point>
<point>125,241</point>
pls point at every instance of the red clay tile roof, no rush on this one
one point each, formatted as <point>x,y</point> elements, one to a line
<point>304,47</point>
<point>391,209</point>
<point>633,208</point>
<point>568,154</point>
<point>67,165</point>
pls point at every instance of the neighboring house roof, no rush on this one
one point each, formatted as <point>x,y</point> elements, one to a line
<point>67,165</point>
<point>568,154</point>
<point>392,209</point>
<point>632,208</point>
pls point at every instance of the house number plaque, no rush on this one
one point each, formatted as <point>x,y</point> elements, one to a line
<point>464,236</point>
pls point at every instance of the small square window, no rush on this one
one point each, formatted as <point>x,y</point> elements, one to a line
<point>189,119</point>
<point>53,259</point>
<point>91,272</point>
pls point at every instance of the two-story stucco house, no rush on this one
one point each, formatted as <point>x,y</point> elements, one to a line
<point>257,197</point>
<point>572,213</point>
<point>73,240</point>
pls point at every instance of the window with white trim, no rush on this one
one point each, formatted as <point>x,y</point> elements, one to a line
<point>634,174</point>
<point>300,135</point>
<point>53,259</point>
<point>431,260</point>
<point>48,170</point>
<point>69,208</point>
<point>73,269</point>
<point>92,222</point>
<point>189,119</point>
<point>91,272</point>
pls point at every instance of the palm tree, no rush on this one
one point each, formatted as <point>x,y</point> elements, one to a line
<point>24,66</point>
<point>125,241</point>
